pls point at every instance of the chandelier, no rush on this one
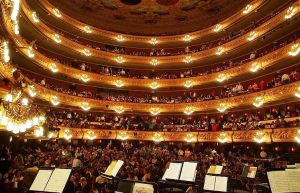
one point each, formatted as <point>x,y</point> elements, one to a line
<point>17,114</point>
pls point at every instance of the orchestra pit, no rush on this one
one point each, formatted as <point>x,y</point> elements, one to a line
<point>150,96</point>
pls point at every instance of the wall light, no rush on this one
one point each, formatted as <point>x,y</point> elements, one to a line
<point>188,83</point>
<point>35,17</point>
<point>119,83</point>
<point>25,101</point>
<point>120,38</point>
<point>297,94</point>
<point>123,135</point>
<point>67,134</point>
<point>187,38</point>
<point>260,137</point>
<point>53,67</point>
<point>5,52</point>
<point>120,59</point>
<point>154,85</point>
<point>255,67</point>
<point>158,137</point>
<point>247,9</point>
<point>119,109</point>
<point>85,106</point>
<point>252,36</point>
<point>189,110</point>
<point>189,138</point>
<point>297,137</point>
<point>16,27</point>
<point>222,77</point>
<point>85,78</point>
<point>223,137</point>
<point>56,38</point>
<point>218,27</point>
<point>155,111</point>
<point>154,62</point>
<point>259,101</point>
<point>222,107</point>
<point>153,41</point>
<point>30,52</point>
<point>15,10</point>
<point>54,100</point>
<point>31,91</point>
<point>220,51</point>
<point>290,12</point>
<point>91,135</point>
<point>57,12</point>
<point>295,49</point>
<point>86,52</point>
<point>87,29</point>
<point>188,59</point>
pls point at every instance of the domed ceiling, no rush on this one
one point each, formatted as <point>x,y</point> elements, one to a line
<point>150,17</point>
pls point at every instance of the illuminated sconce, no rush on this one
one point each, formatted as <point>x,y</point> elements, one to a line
<point>223,138</point>
<point>54,100</point>
<point>154,111</point>
<point>35,17</point>
<point>297,137</point>
<point>9,98</point>
<point>16,27</point>
<point>297,94</point>
<point>53,67</point>
<point>30,52</point>
<point>57,12</point>
<point>25,101</point>
<point>220,51</point>
<point>31,91</point>
<point>90,135</point>
<point>188,110</point>
<point>5,52</point>
<point>56,38</point>
<point>84,78</point>
<point>218,27</point>
<point>86,52</point>
<point>67,134</point>
<point>39,132</point>
<point>15,10</point>
<point>154,85</point>
<point>85,106</point>
<point>252,36</point>
<point>153,41</point>
<point>290,12</point>
<point>260,137</point>
<point>52,134</point>
<point>190,138</point>
<point>188,83</point>
<point>295,49</point>
<point>255,67</point>
<point>87,29</point>
<point>119,83</point>
<point>119,109</point>
<point>258,101</point>
<point>120,59</point>
<point>158,137</point>
<point>222,107</point>
<point>188,59</point>
<point>154,62</point>
<point>120,38</point>
<point>123,135</point>
<point>187,38</point>
<point>247,9</point>
<point>222,77</point>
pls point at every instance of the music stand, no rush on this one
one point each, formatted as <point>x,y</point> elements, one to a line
<point>216,183</point>
<point>112,171</point>
<point>130,186</point>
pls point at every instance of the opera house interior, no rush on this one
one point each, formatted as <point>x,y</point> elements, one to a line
<point>149,96</point>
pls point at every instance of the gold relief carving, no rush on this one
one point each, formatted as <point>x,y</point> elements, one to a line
<point>284,135</point>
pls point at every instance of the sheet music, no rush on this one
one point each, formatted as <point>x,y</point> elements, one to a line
<point>293,179</point>
<point>278,181</point>
<point>114,167</point>
<point>188,171</point>
<point>215,170</point>
<point>41,180</point>
<point>143,188</point>
<point>252,172</point>
<point>218,169</point>
<point>173,171</point>
<point>209,182</point>
<point>58,180</point>
<point>221,183</point>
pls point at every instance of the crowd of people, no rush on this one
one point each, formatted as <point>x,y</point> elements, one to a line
<point>230,35</point>
<point>224,65</point>
<point>182,97</point>
<point>276,117</point>
<point>144,162</point>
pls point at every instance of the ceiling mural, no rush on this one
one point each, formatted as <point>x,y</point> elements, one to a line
<point>150,17</point>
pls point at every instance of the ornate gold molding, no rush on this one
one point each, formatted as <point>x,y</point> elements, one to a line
<point>272,135</point>
<point>112,36</point>
<point>163,60</point>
